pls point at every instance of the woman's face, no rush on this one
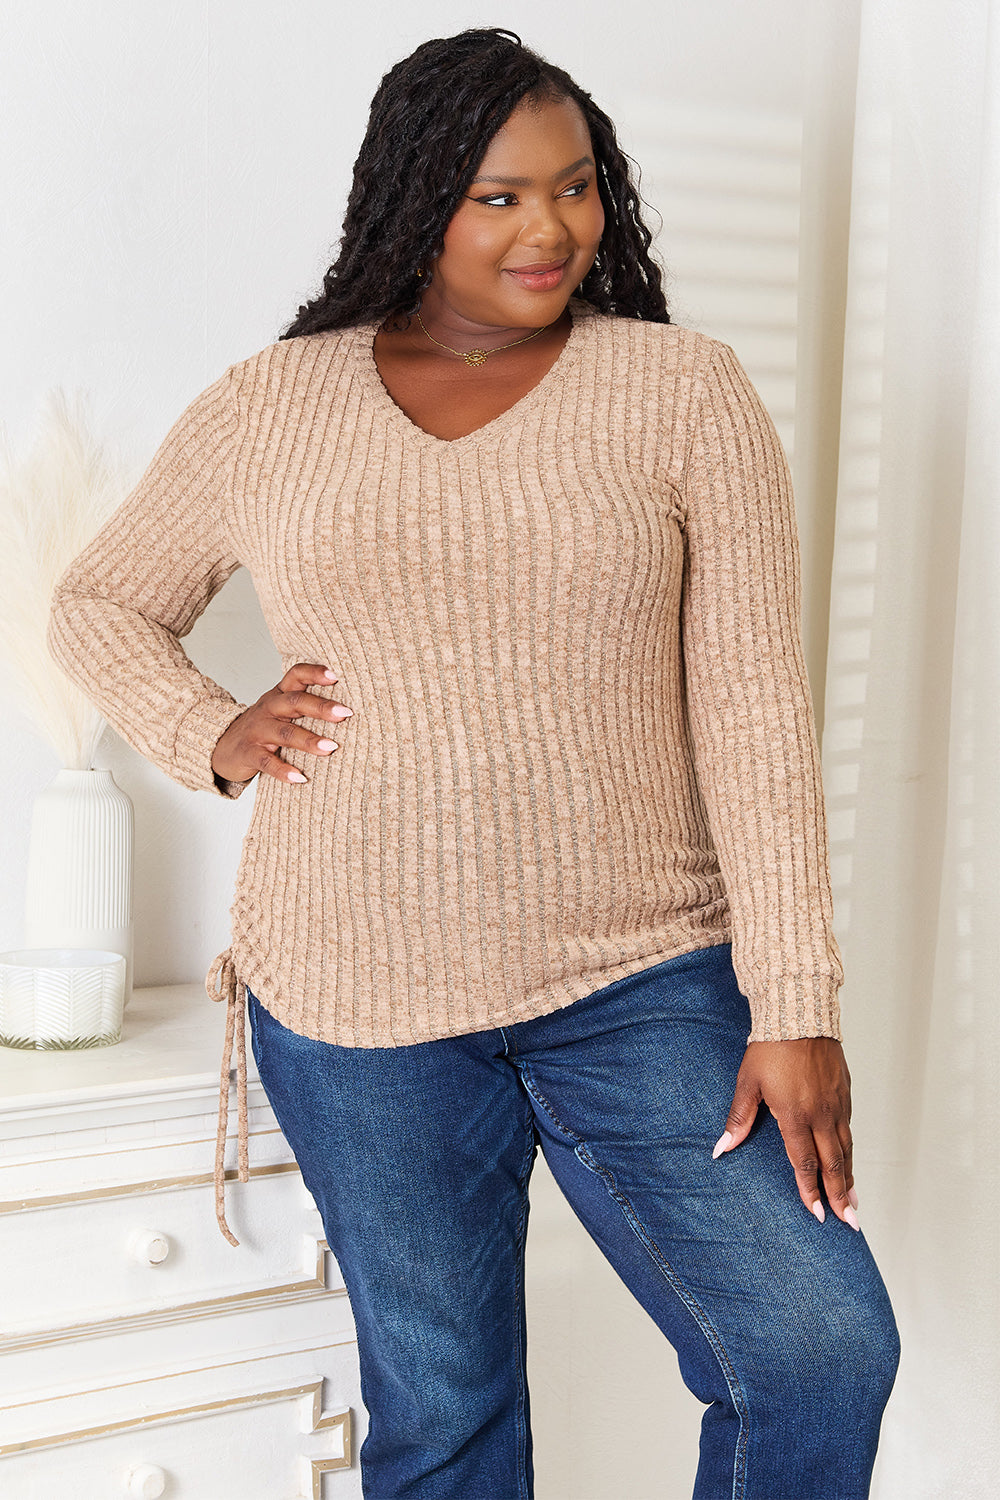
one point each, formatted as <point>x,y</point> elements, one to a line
<point>528,229</point>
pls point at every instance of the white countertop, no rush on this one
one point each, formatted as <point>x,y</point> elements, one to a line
<point>171,1040</point>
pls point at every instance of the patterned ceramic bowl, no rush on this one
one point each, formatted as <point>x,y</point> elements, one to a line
<point>61,998</point>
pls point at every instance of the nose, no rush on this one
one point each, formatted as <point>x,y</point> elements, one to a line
<point>543,226</point>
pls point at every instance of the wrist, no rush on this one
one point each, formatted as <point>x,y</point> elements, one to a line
<point>224,762</point>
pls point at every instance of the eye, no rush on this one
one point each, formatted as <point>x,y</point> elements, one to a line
<point>504,200</point>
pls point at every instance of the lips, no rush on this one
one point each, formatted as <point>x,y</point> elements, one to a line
<point>543,276</point>
<point>539,266</point>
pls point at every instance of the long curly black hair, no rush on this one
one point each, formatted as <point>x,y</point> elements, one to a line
<point>432,119</point>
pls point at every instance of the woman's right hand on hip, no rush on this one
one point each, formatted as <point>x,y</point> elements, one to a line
<point>252,742</point>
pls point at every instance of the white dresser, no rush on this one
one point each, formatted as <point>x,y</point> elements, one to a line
<point>142,1354</point>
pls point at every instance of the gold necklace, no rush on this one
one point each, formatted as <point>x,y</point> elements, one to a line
<point>480,356</point>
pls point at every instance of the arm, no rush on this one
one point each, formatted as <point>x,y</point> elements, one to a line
<point>757,763</point>
<point>121,608</point>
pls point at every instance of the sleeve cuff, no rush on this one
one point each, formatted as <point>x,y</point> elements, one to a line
<point>198,733</point>
<point>230,789</point>
<point>797,1005</point>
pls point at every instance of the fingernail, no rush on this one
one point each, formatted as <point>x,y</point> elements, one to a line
<point>850,1217</point>
<point>852,1197</point>
<point>329,675</point>
<point>296,776</point>
<point>325,745</point>
<point>722,1144</point>
<point>343,713</point>
<point>817,1209</point>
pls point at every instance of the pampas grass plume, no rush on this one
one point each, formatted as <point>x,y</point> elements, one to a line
<point>52,503</point>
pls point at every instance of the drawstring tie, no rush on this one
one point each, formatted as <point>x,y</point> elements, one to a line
<point>221,983</point>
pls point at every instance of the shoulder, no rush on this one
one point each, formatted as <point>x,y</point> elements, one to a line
<point>289,364</point>
<point>671,368</point>
<point>655,353</point>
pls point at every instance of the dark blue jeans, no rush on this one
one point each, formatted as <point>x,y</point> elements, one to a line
<point>418,1158</point>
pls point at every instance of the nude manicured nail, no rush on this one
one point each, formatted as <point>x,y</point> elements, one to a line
<point>325,745</point>
<point>852,1197</point>
<point>296,776</point>
<point>725,1139</point>
<point>819,1211</point>
<point>850,1217</point>
<point>329,675</point>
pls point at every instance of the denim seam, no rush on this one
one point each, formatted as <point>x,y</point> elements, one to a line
<point>521,1237</point>
<point>582,1152</point>
<point>255,1040</point>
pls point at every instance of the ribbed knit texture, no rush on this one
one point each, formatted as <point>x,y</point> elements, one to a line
<point>582,740</point>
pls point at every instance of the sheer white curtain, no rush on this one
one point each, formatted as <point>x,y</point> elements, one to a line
<point>912,728</point>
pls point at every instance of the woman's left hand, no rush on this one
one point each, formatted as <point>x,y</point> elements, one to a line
<point>806,1086</point>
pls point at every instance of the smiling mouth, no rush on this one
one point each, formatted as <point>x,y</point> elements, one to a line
<point>544,277</point>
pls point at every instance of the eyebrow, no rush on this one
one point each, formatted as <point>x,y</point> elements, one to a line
<point>585,161</point>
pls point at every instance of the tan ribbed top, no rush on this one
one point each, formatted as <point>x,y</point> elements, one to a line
<point>582,739</point>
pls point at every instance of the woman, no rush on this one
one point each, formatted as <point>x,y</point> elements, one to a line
<point>529,549</point>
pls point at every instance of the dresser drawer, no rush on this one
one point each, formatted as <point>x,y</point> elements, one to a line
<point>142,1354</point>
<point>68,1268</point>
<point>274,1428</point>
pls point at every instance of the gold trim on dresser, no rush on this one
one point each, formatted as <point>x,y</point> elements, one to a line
<point>322,1421</point>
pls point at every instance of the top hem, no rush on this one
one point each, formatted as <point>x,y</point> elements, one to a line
<point>543,1002</point>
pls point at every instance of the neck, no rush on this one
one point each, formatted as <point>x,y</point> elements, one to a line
<point>435,327</point>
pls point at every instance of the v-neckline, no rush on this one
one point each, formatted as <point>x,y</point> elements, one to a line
<point>364,339</point>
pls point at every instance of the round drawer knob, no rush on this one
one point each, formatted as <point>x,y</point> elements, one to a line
<point>145,1482</point>
<point>150,1248</point>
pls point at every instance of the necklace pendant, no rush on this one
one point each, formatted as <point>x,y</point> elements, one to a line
<point>476,356</point>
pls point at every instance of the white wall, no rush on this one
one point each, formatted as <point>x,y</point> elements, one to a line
<point>174,178</point>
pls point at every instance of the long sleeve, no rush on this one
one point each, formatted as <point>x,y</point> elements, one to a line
<point>753,731</point>
<point>120,609</point>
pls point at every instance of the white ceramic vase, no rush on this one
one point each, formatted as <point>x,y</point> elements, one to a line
<point>79,880</point>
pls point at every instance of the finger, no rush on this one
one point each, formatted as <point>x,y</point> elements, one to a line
<point>305,673</point>
<point>847,1140</point>
<point>804,1157</point>
<point>830,1151</point>
<point>299,704</point>
<point>742,1113</point>
<point>284,734</point>
<point>270,764</point>
<point>292,699</point>
<point>849,1168</point>
<point>847,1149</point>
